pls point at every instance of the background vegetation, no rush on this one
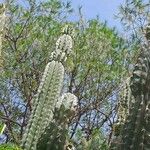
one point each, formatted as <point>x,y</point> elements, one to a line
<point>101,60</point>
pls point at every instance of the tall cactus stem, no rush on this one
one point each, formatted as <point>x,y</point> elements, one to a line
<point>44,103</point>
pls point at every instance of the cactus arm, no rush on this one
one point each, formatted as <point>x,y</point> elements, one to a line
<point>56,133</point>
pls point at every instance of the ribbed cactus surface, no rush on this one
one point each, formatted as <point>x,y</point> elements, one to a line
<point>63,45</point>
<point>55,135</point>
<point>44,104</point>
<point>43,121</point>
<point>134,132</point>
<point>3,23</point>
<point>125,100</point>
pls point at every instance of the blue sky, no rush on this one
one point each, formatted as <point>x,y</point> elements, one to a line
<point>104,8</point>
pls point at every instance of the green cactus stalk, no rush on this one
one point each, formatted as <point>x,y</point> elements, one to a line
<point>55,135</point>
<point>48,93</point>
<point>124,101</point>
<point>134,133</point>
<point>44,104</point>
<point>135,129</point>
<point>3,21</point>
<point>63,45</point>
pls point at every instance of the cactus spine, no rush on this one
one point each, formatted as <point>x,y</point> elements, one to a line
<point>48,93</point>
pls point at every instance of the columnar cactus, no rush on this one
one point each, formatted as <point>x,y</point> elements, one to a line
<point>124,101</point>
<point>135,131</point>
<point>48,94</point>
<point>135,134</point>
<point>44,104</point>
<point>63,46</point>
<point>147,33</point>
<point>55,135</point>
<point>3,19</point>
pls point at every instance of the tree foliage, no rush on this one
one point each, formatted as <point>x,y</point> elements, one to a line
<point>134,16</point>
<point>94,71</point>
